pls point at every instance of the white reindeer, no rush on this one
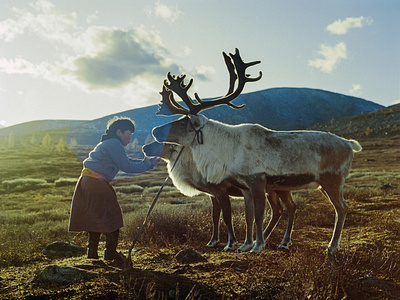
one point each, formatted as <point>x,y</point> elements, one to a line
<point>190,182</point>
<point>257,157</point>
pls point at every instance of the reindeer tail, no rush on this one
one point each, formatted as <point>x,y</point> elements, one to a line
<point>355,145</point>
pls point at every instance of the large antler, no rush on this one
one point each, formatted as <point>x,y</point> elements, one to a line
<point>237,71</point>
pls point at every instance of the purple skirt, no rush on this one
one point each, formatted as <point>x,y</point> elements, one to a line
<point>95,207</point>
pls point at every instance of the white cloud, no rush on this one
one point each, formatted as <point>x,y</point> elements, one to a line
<point>204,72</point>
<point>164,12</point>
<point>119,56</point>
<point>130,63</point>
<point>45,21</point>
<point>92,18</point>
<point>356,90</point>
<point>17,66</point>
<point>332,56</point>
<point>341,27</point>
<point>10,29</point>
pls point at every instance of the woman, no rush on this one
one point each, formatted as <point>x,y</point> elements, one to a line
<point>94,205</point>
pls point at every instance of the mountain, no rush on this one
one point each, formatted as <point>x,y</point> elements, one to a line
<point>383,122</point>
<point>276,108</point>
<point>37,126</point>
<point>292,108</point>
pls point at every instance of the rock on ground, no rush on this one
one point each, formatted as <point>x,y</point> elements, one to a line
<point>60,249</point>
<point>54,274</point>
<point>189,256</point>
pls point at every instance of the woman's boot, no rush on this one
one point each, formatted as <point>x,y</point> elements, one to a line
<point>111,247</point>
<point>94,238</point>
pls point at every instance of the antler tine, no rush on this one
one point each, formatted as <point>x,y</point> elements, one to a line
<point>169,106</point>
<point>178,86</point>
<point>232,75</point>
<point>240,67</point>
<point>237,71</point>
<point>232,78</point>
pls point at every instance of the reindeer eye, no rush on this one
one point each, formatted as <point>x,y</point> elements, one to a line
<point>184,122</point>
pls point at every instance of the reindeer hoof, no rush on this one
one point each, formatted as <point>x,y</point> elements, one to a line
<point>245,247</point>
<point>331,250</point>
<point>230,247</point>
<point>212,244</point>
<point>284,246</point>
<point>257,248</point>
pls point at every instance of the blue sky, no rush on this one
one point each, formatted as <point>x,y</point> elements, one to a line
<point>84,59</point>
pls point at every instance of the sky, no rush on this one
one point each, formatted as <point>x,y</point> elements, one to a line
<point>85,59</point>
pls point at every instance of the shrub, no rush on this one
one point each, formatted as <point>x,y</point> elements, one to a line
<point>134,188</point>
<point>155,189</point>
<point>170,225</point>
<point>24,184</point>
<point>65,182</point>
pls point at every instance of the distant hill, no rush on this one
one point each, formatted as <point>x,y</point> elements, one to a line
<point>40,125</point>
<point>276,108</point>
<point>384,122</point>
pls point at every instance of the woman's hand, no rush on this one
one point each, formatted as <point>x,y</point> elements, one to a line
<point>152,162</point>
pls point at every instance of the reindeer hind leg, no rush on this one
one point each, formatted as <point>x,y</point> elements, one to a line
<point>332,188</point>
<point>286,198</point>
<point>276,209</point>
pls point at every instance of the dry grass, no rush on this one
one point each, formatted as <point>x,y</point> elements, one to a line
<point>367,267</point>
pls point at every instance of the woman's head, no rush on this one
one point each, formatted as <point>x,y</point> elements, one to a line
<point>121,123</point>
<point>120,127</point>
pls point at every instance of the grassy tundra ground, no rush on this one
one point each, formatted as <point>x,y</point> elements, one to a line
<point>36,189</point>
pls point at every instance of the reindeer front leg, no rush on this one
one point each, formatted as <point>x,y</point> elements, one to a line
<point>259,209</point>
<point>225,203</point>
<point>216,214</point>
<point>249,214</point>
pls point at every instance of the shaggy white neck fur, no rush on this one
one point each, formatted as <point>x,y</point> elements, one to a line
<point>181,174</point>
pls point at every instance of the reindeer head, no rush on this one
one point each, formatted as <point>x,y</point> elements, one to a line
<point>163,150</point>
<point>188,128</point>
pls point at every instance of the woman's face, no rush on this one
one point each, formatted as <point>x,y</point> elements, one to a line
<point>125,136</point>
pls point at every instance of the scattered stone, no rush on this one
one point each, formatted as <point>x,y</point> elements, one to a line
<point>234,264</point>
<point>375,282</point>
<point>60,249</point>
<point>54,274</point>
<point>364,185</point>
<point>238,265</point>
<point>387,186</point>
<point>176,202</point>
<point>189,256</point>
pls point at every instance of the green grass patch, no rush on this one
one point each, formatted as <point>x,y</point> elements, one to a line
<point>24,184</point>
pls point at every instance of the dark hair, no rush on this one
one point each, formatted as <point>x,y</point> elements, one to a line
<point>120,123</point>
<point>116,123</point>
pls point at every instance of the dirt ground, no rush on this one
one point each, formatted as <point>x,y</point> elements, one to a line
<point>366,267</point>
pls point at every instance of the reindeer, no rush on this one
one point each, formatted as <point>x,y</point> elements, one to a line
<point>255,156</point>
<point>190,182</point>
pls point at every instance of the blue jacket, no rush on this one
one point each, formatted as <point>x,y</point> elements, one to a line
<point>109,157</point>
